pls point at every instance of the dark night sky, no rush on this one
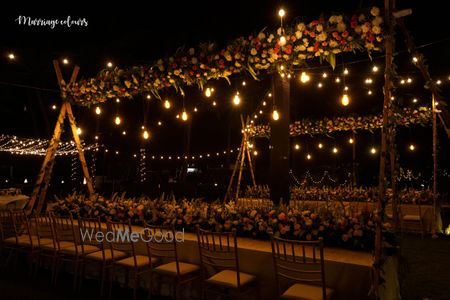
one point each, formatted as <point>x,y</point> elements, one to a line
<point>130,33</point>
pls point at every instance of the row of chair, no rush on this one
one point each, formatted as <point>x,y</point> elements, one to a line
<point>82,242</point>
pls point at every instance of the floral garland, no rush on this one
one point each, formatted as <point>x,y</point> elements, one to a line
<point>265,51</point>
<point>337,226</point>
<point>421,116</point>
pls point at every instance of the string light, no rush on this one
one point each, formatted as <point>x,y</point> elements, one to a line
<point>117,100</point>
<point>117,120</point>
<point>297,147</point>
<point>208,92</point>
<point>167,104</point>
<point>124,132</point>
<point>369,92</point>
<point>412,147</point>
<point>269,95</point>
<point>438,82</point>
<point>96,137</point>
<point>304,78</point>
<point>374,69</point>
<point>409,80</point>
<point>350,141</point>
<point>275,115</point>
<point>345,100</point>
<point>65,61</point>
<point>255,153</point>
<point>320,146</point>
<point>184,115</point>
<point>79,131</point>
<point>373,150</point>
<point>282,40</point>
<point>324,75</point>
<point>11,56</point>
<point>308,156</point>
<point>236,99</point>
<point>214,103</point>
<point>415,100</point>
<point>149,97</point>
<point>319,85</point>
<point>159,123</point>
<point>260,112</point>
<point>345,71</point>
<point>98,110</point>
<point>281,13</point>
<point>244,83</point>
<point>368,81</point>
<point>53,106</point>
<point>109,64</point>
<point>335,150</point>
<point>415,59</point>
<point>264,103</point>
<point>195,109</point>
<point>337,80</point>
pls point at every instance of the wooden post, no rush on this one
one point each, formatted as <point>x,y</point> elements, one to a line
<point>230,184</point>
<point>433,228</point>
<point>241,167</point>
<point>249,157</point>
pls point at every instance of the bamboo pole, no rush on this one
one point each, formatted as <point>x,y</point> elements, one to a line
<point>241,167</point>
<point>247,150</point>
<point>49,156</point>
<point>227,194</point>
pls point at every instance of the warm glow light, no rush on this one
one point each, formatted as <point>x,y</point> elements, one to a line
<point>149,97</point>
<point>369,92</point>
<point>282,42</point>
<point>320,146</point>
<point>79,131</point>
<point>409,80</point>
<point>255,153</point>
<point>345,100</point>
<point>264,103</point>
<point>412,147</point>
<point>11,56</point>
<point>337,80</point>
<point>373,150</point>
<point>402,81</point>
<point>345,71</point>
<point>53,106</point>
<point>109,64</point>
<point>281,12</point>
<point>438,82</point>
<point>177,116</point>
<point>96,137</point>
<point>244,83</point>
<point>375,69</point>
<point>275,115</point>
<point>145,135</point>
<point>346,88</point>
<point>214,103</point>
<point>324,75</point>
<point>98,110</point>
<point>184,116</point>
<point>297,146</point>
<point>304,77</point>
<point>350,140</point>
<point>335,150</point>
<point>167,104</point>
<point>117,100</point>
<point>368,81</point>
<point>142,127</point>
<point>237,99</point>
<point>260,112</point>
<point>415,100</point>
<point>65,61</point>
<point>208,92</point>
<point>319,85</point>
<point>159,123</point>
<point>25,181</point>
<point>117,120</point>
<point>415,59</point>
<point>269,95</point>
<point>308,156</point>
<point>124,132</point>
<point>195,109</point>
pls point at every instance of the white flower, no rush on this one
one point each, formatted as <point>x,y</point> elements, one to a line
<point>298,34</point>
<point>305,42</point>
<point>319,27</point>
<point>270,38</point>
<point>301,26</point>
<point>191,51</point>
<point>253,51</point>
<point>375,11</point>
<point>333,44</point>
<point>280,31</point>
<point>376,29</point>
<point>321,37</point>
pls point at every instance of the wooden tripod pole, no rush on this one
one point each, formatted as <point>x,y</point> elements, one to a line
<point>241,167</point>
<point>247,150</point>
<point>227,194</point>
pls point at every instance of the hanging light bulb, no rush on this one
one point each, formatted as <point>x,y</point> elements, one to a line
<point>375,69</point>
<point>282,40</point>
<point>281,12</point>
<point>304,78</point>
<point>79,131</point>
<point>11,56</point>
<point>237,99</point>
<point>324,75</point>
<point>214,103</point>
<point>320,145</point>
<point>98,110</point>
<point>117,100</point>
<point>345,100</point>
<point>117,120</point>
<point>167,104</point>
<point>275,114</point>
<point>345,71</point>
<point>308,156</point>
<point>350,141</point>
<point>297,147</point>
<point>109,64</point>
<point>373,150</point>
<point>412,147</point>
<point>335,150</point>
<point>208,92</point>
<point>65,61</point>
<point>145,135</point>
<point>184,116</point>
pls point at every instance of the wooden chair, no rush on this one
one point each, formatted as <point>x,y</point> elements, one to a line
<point>162,247</point>
<point>43,225</point>
<point>411,215</point>
<point>129,260</point>
<point>304,274</point>
<point>6,232</point>
<point>220,265</point>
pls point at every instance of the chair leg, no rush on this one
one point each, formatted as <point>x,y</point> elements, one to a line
<point>136,284</point>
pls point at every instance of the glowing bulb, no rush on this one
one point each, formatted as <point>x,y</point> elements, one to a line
<point>308,156</point>
<point>369,92</point>
<point>65,61</point>
<point>350,140</point>
<point>109,64</point>
<point>184,116</point>
<point>337,80</point>
<point>324,75</point>
<point>373,150</point>
<point>208,92</point>
<point>345,71</point>
<point>415,100</point>
<point>177,116</point>
<point>255,153</point>
<point>415,59</point>
<point>409,80</point>
<point>142,127</point>
<point>124,132</point>
<point>117,100</point>
<point>335,150</point>
<point>214,103</point>
<point>345,100</point>
<point>98,110</point>
<point>282,41</point>
<point>84,180</point>
<point>368,81</point>
<point>269,95</point>
<point>167,104</point>
<point>402,81</point>
<point>244,83</point>
<point>25,181</point>
<point>96,137</point>
<point>79,131</point>
<point>297,146</point>
<point>11,56</point>
<point>319,85</point>
<point>149,97</point>
<point>117,120</point>
<point>346,88</point>
<point>260,112</point>
<point>275,115</point>
<point>412,147</point>
<point>438,82</point>
<point>53,106</point>
<point>195,109</point>
<point>145,135</point>
<point>375,69</point>
<point>304,77</point>
<point>236,99</point>
<point>320,145</point>
<point>281,12</point>
<point>159,123</point>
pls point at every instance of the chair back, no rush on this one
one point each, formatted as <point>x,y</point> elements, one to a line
<point>6,225</point>
<point>161,243</point>
<point>64,231</point>
<point>299,262</point>
<point>88,229</point>
<point>218,252</point>
<point>120,239</point>
<point>20,224</point>
<point>44,227</point>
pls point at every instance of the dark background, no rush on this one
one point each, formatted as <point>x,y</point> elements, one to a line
<point>132,33</point>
